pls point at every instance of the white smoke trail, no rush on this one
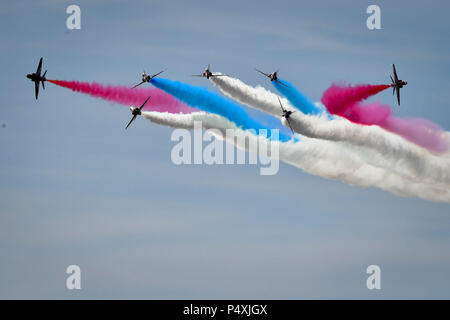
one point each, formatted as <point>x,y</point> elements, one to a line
<point>373,144</point>
<point>319,157</point>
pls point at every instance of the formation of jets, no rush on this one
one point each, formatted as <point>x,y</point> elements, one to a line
<point>208,74</point>
<point>397,84</point>
<point>147,78</point>
<point>37,78</point>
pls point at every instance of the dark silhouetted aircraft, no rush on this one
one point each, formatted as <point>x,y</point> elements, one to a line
<point>397,84</point>
<point>286,115</point>
<point>136,112</point>
<point>272,76</point>
<point>36,78</point>
<point>208,74</point>
<point>147,78</point>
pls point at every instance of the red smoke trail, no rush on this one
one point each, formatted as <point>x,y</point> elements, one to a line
<point>159,101</point>
<point>345,101</point>
<point>340,100</point>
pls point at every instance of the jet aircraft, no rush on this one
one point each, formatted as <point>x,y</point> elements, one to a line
<point>397,84</point>
<point>37,78</point>
<point>208,74</point>
<point>147,78</point>
<point>286,115</point>
<point>272,76</point>
<point>136,112</point>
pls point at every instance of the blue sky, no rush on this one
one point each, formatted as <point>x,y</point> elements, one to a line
<point>76,188</point>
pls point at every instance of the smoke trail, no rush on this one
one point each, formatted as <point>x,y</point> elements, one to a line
<point>340,98</point>
<point>159,101</point>
<point>209,120</point>
<point>201,98</point>
<point>345,102</point>
<point>258,98</point>
<point>373,144</point>
<point>319,157</point>
<point>296,98</point>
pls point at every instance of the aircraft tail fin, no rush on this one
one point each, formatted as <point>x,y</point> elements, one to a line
<point>44,73</point>
<point>43,85</point>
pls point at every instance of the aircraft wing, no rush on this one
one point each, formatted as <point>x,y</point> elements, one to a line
<point>196,75</point>
<point>140,108</point>
<point>157,74</point>
<point>282,109</point>
<point>289,123</point>
<point>266,74</point>
<point>398,96</point>
<point>132,119</point>
<point>282,83</point>
<point>36,88</point>
<point>138,84</point>
<point>395,73</point>
<point>38,70</point>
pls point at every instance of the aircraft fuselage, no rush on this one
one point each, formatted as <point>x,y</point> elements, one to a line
<point>287,114</point>
<point>399,84</point>
<point>207,74</point>
<point>35,77</point>
<point>135,111</point>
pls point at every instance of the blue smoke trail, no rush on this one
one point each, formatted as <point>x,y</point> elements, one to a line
<point>203,99</point>
<point>296,98</point>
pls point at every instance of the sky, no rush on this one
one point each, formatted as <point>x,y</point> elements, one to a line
<point>76,188</point>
